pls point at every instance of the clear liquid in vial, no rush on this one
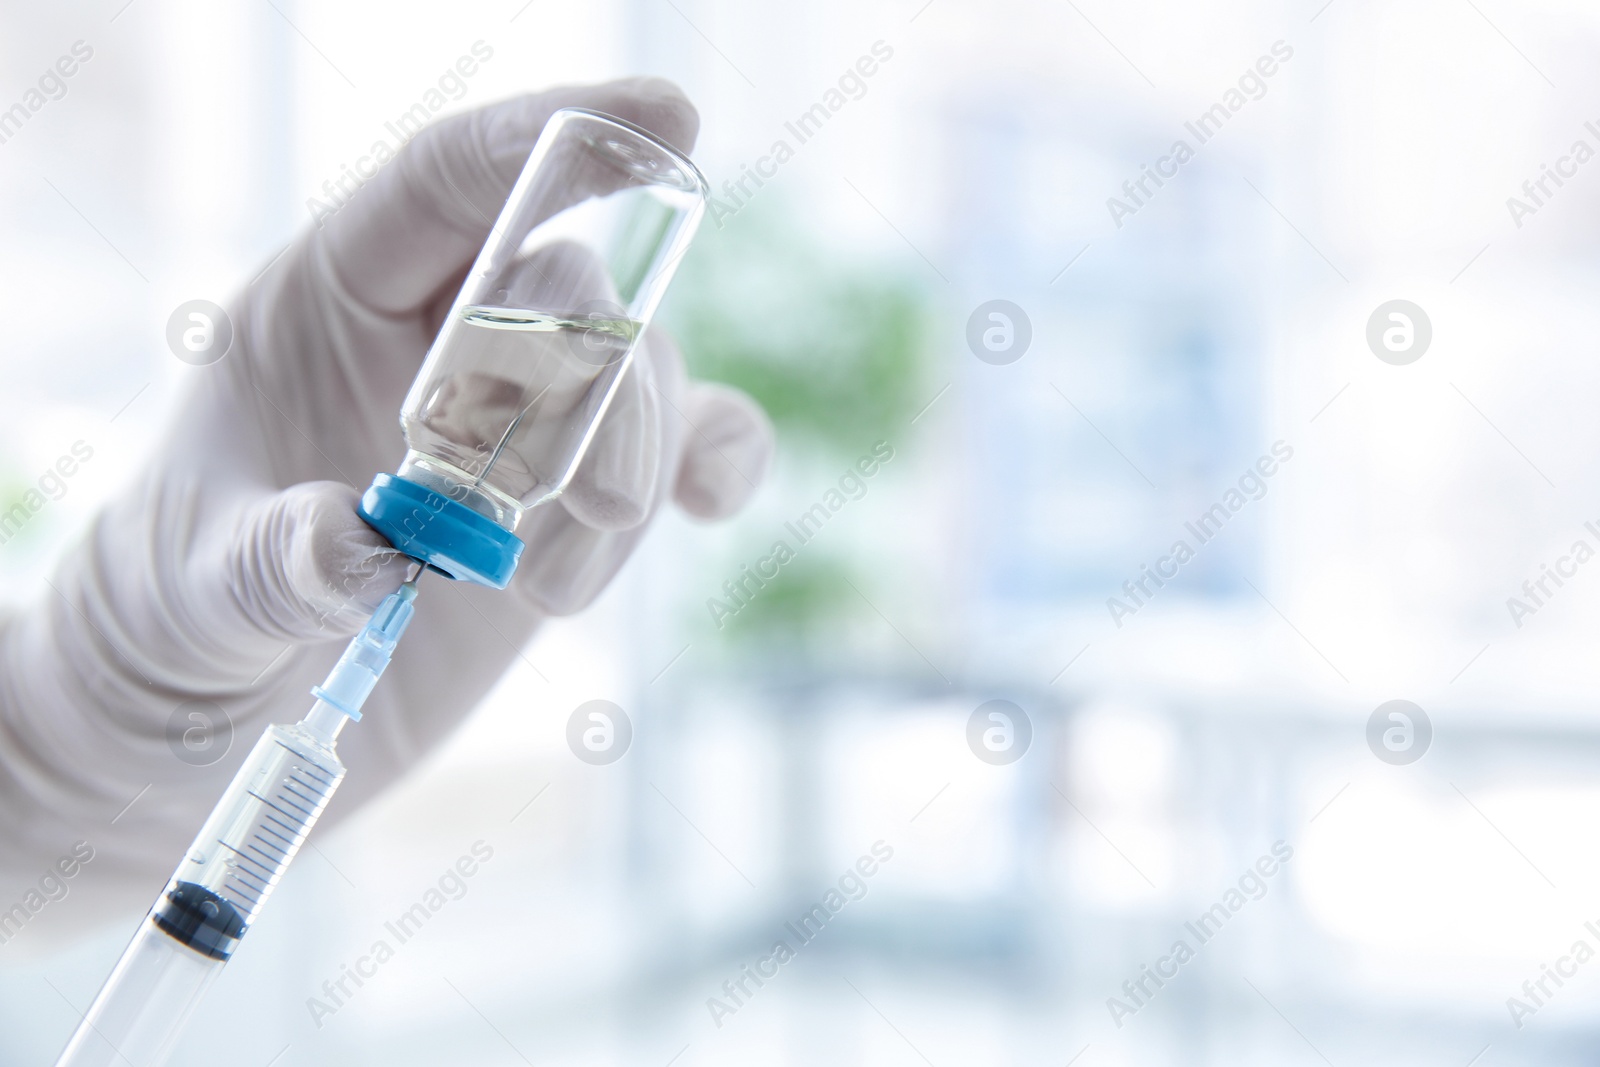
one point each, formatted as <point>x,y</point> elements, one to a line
<point>515,394</point>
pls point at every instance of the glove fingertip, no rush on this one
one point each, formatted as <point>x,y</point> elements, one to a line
<point>342,566</point>
<point>615,485</point>
<point>726,452</point>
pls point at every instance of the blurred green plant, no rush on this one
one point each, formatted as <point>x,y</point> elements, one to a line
<point>795,605</point>
<point>831,346</point>
<point>13,488</point>
<point>836,349</point>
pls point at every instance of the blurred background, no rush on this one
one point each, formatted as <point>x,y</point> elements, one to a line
<point>1156,754</point>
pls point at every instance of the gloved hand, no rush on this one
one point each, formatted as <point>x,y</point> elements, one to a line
<point>234,567</point>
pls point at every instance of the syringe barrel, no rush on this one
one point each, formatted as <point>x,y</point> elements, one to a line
<point>245,846</point>
<point>141,1010</point>
<point>215,894</point>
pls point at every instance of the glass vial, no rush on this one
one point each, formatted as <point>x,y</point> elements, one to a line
<point>545,326</point>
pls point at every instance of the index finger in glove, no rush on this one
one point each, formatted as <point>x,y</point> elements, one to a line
<point>718,440</point>
<point>618,481</point>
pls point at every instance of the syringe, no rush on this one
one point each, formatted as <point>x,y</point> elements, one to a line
<point>233,865</point>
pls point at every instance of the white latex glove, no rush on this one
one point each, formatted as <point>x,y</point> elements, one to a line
<point>233,568</point>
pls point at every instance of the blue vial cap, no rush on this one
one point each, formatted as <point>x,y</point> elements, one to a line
<point>443,533</point>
